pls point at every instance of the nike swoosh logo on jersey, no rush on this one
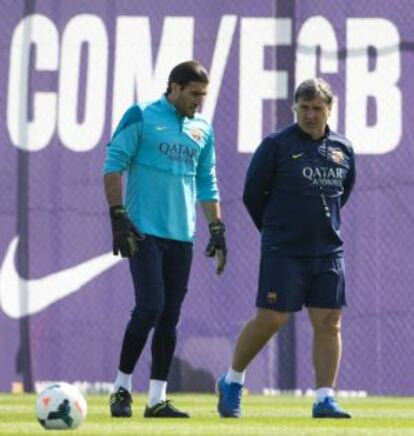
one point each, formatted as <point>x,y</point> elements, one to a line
<point>21,297</point>
<point>159,128</point>
<point>297,156</point>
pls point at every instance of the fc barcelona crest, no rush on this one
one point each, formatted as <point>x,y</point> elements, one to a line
<point>271,297</point>
<point>196,134</point>
<point>336,155</point>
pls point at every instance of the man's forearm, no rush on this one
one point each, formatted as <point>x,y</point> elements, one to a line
<point>113,188</point>
<point>211,210</point>
<point>255,204</point>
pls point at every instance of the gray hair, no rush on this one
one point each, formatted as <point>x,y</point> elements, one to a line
<point>316,87</point>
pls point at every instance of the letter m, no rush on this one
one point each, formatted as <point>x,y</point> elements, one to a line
<point>135,76</point>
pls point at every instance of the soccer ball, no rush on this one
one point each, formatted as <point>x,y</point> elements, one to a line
<point>61,406</point>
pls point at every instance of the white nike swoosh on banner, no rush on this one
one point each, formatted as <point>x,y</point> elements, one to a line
<point>20,297</point>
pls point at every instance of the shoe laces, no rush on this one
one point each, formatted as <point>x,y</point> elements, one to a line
<point>168,405</point>
<point>123,395</point>
<point>234,393</point>
<point>331,401</point>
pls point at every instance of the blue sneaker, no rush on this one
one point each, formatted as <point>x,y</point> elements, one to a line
<point>328,408</point>
<point>229,398</point>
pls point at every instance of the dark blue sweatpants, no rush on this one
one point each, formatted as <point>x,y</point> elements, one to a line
<point>160,273</point>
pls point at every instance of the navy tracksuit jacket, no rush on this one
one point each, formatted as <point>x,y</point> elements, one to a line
<point>295,187</point>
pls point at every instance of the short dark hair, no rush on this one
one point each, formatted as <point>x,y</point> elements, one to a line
<point>316,87</point>
<point>186,72</point>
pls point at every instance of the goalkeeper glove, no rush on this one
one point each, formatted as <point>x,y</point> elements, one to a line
<point>217,244</point>
<point>125,235</point>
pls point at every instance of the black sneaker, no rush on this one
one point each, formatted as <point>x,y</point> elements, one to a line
<point>120,402</point>
<point>164,410</point>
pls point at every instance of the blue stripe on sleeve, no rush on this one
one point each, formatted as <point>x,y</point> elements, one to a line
<point>131,116</point>
<point>123,145</point>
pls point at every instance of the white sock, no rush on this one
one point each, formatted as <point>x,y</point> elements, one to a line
<point>123,380</point>
<point>322,393</point>
<point>157,392</point>
<point>233,376</point>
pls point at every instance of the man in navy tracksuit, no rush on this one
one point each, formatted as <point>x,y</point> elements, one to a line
<point>297,182</point>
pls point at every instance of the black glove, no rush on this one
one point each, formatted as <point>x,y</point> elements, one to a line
<point>217,244</point>
<point>125,236</point>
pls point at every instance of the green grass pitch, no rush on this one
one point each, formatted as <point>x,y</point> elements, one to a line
<point>279,415</point>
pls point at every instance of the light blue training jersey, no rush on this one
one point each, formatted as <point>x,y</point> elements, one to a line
<point>170,163</point>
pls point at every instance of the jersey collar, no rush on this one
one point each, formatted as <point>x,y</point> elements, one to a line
<point>169,106</point>
<point>164,101</point>
<point>304,135</point>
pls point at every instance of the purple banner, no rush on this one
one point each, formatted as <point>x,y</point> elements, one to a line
<point>68,70</point>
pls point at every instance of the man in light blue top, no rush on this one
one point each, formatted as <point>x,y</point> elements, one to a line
<point>167,151</point>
